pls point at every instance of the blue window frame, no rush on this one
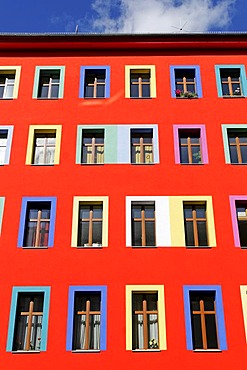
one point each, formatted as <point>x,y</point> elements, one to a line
<point>195,70</point>
<point>73,290</point>
<point>221,332</point>
<point>30,210</point>
<point>102,87</point>
<point>231,80</point>
<point>16,292</point>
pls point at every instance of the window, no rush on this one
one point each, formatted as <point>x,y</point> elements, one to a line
<point>141,146</point>
<point>145,321</point>
<point>95,82</point>
<point>238,206</point>
<point>140,81</point>
<point>145,318</point>
<point>231,80</point>
<point>140,84</point>
<point>143,224</point>
<point>37,222</point>
<point>185,81</point>
<point>241,209</point>
<point>237,141</point>
<point>90,222</point>
<point>6,133</point>
<point>191,221</point>
<point>44,148</point>
<point>93,146</point>
<point>43,145</point>
<point>9,82</point>
<point>190,147</point>
<point>49,82</point>
<point>86,330</point>
<point>148,221</point>
<point>195,224</point>
<point>204,317</point>
<point>28,319</point>
<point>118,144</point>
<point>2,201</point>
<point>190,144</point>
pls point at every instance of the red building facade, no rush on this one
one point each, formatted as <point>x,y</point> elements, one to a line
<point>123,201</point>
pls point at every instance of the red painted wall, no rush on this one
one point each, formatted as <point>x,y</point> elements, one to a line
<point>118,266</point>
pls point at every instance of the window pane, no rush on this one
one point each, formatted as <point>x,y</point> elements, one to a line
<point>97,232</point>
<point>196,154</point>
<point>233,154</point>
<point>189,233</point>
<point>54,91</point>
<point>225,89</point>
<point>83,233</point>
<point>243,150</point>
<point>146,91</point>
<point>191,88</point>
<point>242,229</point>
<point>150,233</point>
<point>184,155</point>
<point>136,233</point>
<point>211,331</point>
<point>197,332</point>
<point>202,233</point>
<point>9,91</point>
<point>89,92</point>
<point>100,91</point>
<point>134,91</point>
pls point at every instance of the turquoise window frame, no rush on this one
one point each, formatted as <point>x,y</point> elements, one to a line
<point>107,80</point>
<point>197,77</point>
<point>231,66</point>
<point>110,142</point>
<point>25,201</point>
<point>12,316</point>
<point>225,128</point>
<point>219,314</point>
<point>103,315</point>
<point>10,130</point>
<point>37,77</point>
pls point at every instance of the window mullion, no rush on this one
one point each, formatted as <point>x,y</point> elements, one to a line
<point>203,325</point>
<point>145,324</point>
<point>195,229</point>
<point>29,325</point>
<point>238,150</point>
<point>143,228</point>
<point>90,231</point>
<point>87,324</point>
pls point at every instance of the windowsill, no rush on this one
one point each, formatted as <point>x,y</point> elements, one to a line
<point>198,247</point>
<point>34,247</point>
<point>146,164</point>
<point>6,98</point>
<point>24,352</point>
<point>192,164</point>
<point>146,350</point>
<point>232,96</point>
<point>141,98</point>
<point>86,351</point>
<point>42,164</point>
<point>187,97</point>
<point>144,246</point>
<point>90,247</point>
<point>238,164</point>
<point>207,350</point>
<point>39,98</point>
<point>97,97</point>
<point>92,164</point>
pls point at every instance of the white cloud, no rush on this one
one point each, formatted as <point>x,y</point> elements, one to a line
<point>160,16</point>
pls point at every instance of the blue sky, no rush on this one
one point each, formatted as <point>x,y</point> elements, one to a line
<point>128,16</point>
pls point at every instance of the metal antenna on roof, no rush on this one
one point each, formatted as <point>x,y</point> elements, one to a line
<point>181,27</point>
<point>77,29</point>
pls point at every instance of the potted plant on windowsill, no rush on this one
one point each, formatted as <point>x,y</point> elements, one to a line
<point>187,94</point>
